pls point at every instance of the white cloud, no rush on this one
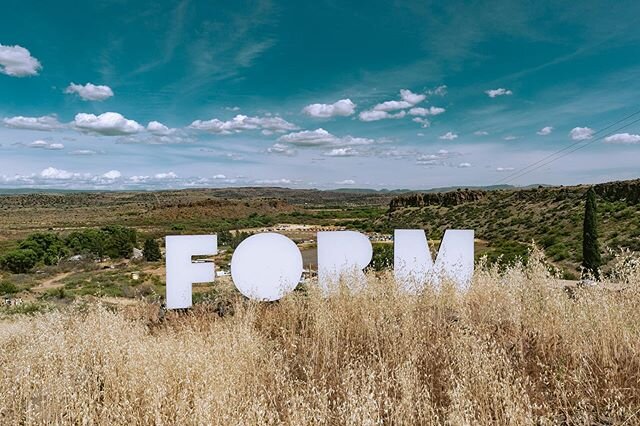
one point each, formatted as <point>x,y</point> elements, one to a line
<point>321,137</point>
<point>437,159</point>
<point>280,148</point>
<point>341,108</point>
<point>51,173</point>
<point>17,61</point>
<point>426,111</point>
<point>45,123</point>
<point>449,136</point>
<point>112,175</point>
<point>45,145</point>
<point>480,133</point>
<point>498,92</point>
<point>464,165</point>
<point>242,122</point>
<point>581,133</point>
<point>169,175</point>
<point>545,131</point>
<point>273,181</point>
<point>392,105</point>
<point>410,97</point>
<point>510,138</point>
<point>379,115</point>
<point>108,124</point>
<point>425,123</point>
<point>342,152</point>
<point>381,110</point>
<point>90,92</point>
<point>440,90</point>
<point>623,138</point>
<point>83,152</point>
<point>504,169</point>
<point>159,129</point>
<point>346,182</point>
<point>220,176</point>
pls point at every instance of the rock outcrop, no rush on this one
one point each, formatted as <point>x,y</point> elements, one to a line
<point>447,199</point>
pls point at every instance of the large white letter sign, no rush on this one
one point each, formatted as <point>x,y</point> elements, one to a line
<point>342,253</point>
<point>181,272</point>
<point>266,266</point>
<point>413,265</point>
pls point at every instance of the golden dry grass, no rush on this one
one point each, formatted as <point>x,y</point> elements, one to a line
<point>515,349</point>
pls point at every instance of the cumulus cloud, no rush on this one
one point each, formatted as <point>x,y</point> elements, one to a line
<point>480,133</point>
<point>90,92</point>
<point>581,133</point>
<point>498,92</point>
<point>440,90</point>
<point>321,137</point>
<point>341,108</point>
<point>44,123</point>
<point>346,182</point>
<point>426,111</point>
<point>17,61</point>
<point>83,152</point>
<point>504,169</point>
<point>464,165</point>
<point>163,176</point>
<point>379,115</point>
<point>112,175</point>
<point>382,110</point>
<point>510,138</point>
<point>342,152</point>
<point>545,131</point>
<point>241,122</point>
<point>45,145</point>
<point>107,124</point>
<point>423,121</point>
<point>449,136</point>
<point>410,97</point>
<point>51,173</point>
<point>282,149</point>
<point>437,159</point>
<point>159,129</point>
<point>392,105</point>
<point>623,138</point>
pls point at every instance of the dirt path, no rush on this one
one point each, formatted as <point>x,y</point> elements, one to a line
<point>53,282</point>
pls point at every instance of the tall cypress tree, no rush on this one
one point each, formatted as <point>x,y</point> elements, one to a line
<point>591,260</point>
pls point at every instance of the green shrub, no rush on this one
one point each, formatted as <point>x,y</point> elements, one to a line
<point>8,288</point>
<point>19,261</point>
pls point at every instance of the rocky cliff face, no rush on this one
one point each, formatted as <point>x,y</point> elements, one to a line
<point>628,190</point>
<point>452,198</point>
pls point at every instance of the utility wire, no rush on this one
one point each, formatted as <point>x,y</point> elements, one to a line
<point>517,173</point>
<point>579,146</point>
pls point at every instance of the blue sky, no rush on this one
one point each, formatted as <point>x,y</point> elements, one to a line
<point>379,94</point>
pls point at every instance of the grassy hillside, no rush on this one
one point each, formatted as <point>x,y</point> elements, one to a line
<point>514,350</point>
<point>509,220</point>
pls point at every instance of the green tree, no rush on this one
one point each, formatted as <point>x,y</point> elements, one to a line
<point>120,241</point>
<point>19,261</point>
<point>49,247</point>
<point>591,259</point>
<point>151,251</point>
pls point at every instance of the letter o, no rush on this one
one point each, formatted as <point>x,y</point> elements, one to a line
<point>265,267</point>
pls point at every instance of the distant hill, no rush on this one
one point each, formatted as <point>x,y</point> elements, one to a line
<point>510,219</point>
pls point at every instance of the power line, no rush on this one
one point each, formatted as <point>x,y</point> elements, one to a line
<point>581,145</point>
<point>517,173</point>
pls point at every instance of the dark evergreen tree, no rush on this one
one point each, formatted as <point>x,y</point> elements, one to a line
<point>591,259</point>
<point>151,251</point>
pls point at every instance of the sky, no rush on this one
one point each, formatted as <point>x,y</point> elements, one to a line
<point>324,94</point>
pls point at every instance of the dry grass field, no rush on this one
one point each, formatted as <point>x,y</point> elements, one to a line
<point>515,349</point>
